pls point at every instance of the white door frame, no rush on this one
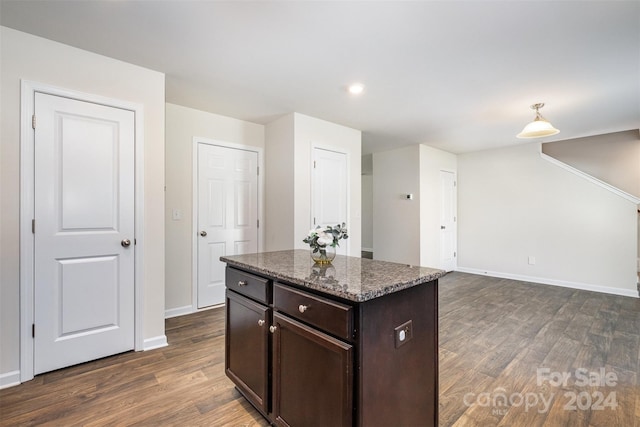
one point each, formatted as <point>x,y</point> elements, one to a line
<point>194,206</point>
<point>455,214</point>
<point>27,203</point>
<point>347,155</point>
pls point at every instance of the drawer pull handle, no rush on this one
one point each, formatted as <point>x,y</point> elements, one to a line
<point>242,283</point>
<point>272,329</point>
<point>261,322</point>
<point>302,308</point>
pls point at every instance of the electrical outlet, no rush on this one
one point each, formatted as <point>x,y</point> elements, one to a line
<point>403,333</point>
<point>532,260</point>
<point>176,215</point>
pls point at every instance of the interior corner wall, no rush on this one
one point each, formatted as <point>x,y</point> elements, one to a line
<point>396,219</point>
<point>367,202</point>
<point>613,158</point>
<point>367,213</point>
<point>183,124</point>
<point>28,57</point>
<point>308,132</point>
<point>279,184</point>
<point>432,161</point>
<point>512,204</point>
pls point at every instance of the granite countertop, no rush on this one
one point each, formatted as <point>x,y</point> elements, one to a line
<point>351,278</point>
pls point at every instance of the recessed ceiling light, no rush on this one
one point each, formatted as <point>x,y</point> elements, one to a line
<point>356,88</point>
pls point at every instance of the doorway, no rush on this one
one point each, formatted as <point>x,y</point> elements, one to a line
<point>329,191</point>
<point>448,221</point>
<point>80,228</point>
<point>227,214</point>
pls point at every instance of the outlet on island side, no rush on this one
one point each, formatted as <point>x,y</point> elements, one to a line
<point>403,333</point>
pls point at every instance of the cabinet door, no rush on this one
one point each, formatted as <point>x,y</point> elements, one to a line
<point>312,376</point>
<point>247,355</point>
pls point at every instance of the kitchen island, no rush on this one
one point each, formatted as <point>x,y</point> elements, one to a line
<point>354,342</point>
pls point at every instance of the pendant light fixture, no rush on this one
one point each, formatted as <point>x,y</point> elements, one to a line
<point>539,126</point>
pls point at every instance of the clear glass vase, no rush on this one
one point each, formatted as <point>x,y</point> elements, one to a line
<point>323,254</point>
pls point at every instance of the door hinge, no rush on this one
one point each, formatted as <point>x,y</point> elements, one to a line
<point>314,220</point>
<point>33,226</point>
<point>455,183</point>
<point>314,164</point>
<point>455,254</point>
<point>33,121</point>
<point>258,223</point>
<point>258,170</point>
<point>33,330</point>
<point>455,219</point>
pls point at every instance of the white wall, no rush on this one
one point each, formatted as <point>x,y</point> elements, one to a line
<point>183,124</point>
<point>396,220</point>
<point>367,202</point>
<point>310,132</point>
<point>432,161</point>
<point>33,58</point>
<point>306,132</point>
<point>512,204</point>
<point>408,231</point>
<point>280,169</point>
<point>613,158</point>
<point>367,212</point>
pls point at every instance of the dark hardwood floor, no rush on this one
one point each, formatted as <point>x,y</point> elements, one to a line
<point>511,354</point>
<point>503,337</point>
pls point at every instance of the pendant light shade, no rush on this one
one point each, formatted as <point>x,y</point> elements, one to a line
<point>539,126</point>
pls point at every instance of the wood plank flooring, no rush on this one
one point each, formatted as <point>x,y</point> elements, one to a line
<point>503,345</point>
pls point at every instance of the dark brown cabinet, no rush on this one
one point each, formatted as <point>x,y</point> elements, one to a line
<point>247,348</point>
<point>312,376</point>
<point>304,357</point>
<point>294,373</point>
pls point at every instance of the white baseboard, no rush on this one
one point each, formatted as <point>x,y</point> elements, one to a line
<point>553,282</point>
<point>178,311</point>
<point>9,379</point>
<point>155,342</point>
<point>367,249</point>
<point>187,309</point>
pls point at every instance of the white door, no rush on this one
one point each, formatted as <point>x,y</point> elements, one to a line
<point>448,228</point>
<point>84,217</point>
<point>329,191</point>
<point>227,214</point>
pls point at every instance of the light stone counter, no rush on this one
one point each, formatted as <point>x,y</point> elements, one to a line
<point>351,278</point>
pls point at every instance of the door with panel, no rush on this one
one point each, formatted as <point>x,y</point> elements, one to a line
<point>227,214</point>
<point>329,191</point>
<point>83,231</point>
<point>448,221</point>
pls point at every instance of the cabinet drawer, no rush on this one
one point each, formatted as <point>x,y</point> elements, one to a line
<point>330,316</point>
<point>247,284</point>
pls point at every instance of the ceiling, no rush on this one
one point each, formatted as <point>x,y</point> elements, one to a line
<point>458,76</point>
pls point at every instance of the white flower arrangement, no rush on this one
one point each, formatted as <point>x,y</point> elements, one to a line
<point>321,237</point>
